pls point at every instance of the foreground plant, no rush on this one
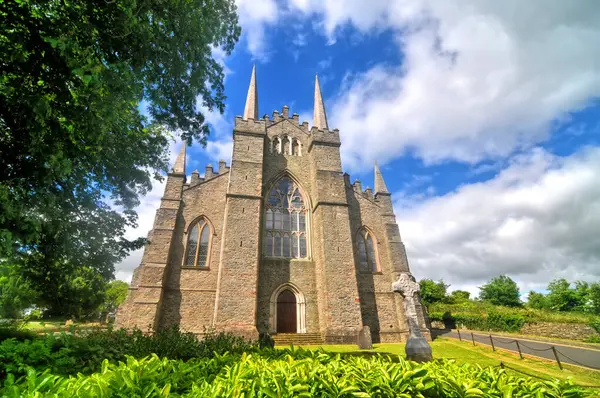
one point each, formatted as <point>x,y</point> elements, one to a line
<point>288,373</point>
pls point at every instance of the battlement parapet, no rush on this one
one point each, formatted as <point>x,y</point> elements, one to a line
<point>249,126</point>
<point>325,136</point>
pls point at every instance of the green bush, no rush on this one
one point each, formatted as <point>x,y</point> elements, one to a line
<point>10,332</point>
<point>494,321</point>
<point>70,353</point>
<point>292,373</point>
<point>472,311</point>
<point>503,322</point>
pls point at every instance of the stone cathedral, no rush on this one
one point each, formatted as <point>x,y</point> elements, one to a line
<point>279,242</point>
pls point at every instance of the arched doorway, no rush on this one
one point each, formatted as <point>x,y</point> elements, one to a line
<point>286,312</point>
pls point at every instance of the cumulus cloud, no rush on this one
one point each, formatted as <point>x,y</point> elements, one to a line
<point>535,221</point>
<point>254,16</point>
<point>478,79</point>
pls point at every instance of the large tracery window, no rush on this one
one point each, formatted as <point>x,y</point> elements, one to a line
<point>367,254</point>
<point>198,244</point>
<point>285,221</point>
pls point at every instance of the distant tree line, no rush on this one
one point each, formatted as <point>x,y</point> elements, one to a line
<point>562,295</point>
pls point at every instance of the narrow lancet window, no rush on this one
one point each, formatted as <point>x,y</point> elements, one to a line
<point>198,245</point>
<point>285,221</point>
<point>367,252</point>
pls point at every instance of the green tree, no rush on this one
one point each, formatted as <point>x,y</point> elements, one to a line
<point>116,293</point>
<point>594,298</point>
<point>75,150</point>
<point>537,301</point>
<point>79,295</point>
<point>459,296</point>
<point>432,292</point>
<point>15,293</point>
<point>561,297</point>
<point>501,290</point>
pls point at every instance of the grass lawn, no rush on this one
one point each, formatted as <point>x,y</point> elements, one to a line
<point>34,325</point>
<point>464,352</point>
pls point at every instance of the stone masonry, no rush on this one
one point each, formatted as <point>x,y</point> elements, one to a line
<point>343,252</point>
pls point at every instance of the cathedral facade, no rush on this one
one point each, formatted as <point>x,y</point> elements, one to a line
<point>280,242</point>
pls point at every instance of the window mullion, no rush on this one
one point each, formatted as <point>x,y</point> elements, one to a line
<point>198,244</point>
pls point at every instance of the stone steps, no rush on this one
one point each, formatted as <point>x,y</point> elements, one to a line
<point>285,339</point>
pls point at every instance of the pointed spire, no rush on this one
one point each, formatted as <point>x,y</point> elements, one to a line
<point>179,166</point>
<point>320,117</point>
<point>251,108</point>
<point>380,186</point>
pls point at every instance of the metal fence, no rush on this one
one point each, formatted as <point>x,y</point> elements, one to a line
<point>519,344</point>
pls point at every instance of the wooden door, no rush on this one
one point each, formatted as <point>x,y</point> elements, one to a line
<point>286,312</point>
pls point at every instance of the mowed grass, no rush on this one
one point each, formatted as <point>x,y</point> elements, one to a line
<point>34,325</point>
<point>464,352</point>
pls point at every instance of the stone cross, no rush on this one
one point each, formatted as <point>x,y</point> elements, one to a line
<point>417,347</point>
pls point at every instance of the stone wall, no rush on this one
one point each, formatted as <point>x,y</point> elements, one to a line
<point>189,297</point>
<point>571,331</point>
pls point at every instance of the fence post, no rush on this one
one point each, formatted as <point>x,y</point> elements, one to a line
<point>459,336</point>
<point>519,348</point>
<point>473,338</point>
<point>556,356</point>
<point>492,341</point>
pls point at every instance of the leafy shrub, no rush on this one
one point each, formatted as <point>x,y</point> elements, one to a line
<point>529,314</point>
<point>595,323</point>
<point>289,373</point>
<point>84,352</point>
<point>504,322</point>
<point>592,339</point>
<point>495,321</point>
<point>34,315</point>
<point>10,332</point>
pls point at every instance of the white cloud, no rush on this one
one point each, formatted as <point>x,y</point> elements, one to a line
<point>220,150</point>
<point>535,221</point>
<point>254,16</point>
<point>479,78</point>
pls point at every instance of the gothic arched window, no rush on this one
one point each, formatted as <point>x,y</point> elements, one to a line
<point>285,221</point>
<point>198,244</point>
<point>276,145</point>
<point>295,148</point>
<point>367,253</point>
<point>285,143</point>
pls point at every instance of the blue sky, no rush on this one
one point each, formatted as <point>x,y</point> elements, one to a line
<point>484,117</point>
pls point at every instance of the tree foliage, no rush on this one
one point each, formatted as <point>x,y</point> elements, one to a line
<point>459,296</point>
<point>78,295</point>
<point>501,290</point>
<point>583,297</point>
<point>15,293</point>
<point>75,150</point>
<point>431,291</point>
<point>537,301</point>
<point>116,293</point>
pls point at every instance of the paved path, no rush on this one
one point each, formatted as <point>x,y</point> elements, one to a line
<point>567,354</point>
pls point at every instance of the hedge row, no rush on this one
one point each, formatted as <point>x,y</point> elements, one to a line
<point>493,321</point>
<point>292,373</point>
<point>529,314</point>
<point>72,353</point>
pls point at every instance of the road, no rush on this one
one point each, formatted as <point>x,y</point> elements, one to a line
<point>589,358</point>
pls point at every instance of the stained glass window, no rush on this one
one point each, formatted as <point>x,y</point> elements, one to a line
<point>285,221</point>
<point>198,245</point>
<point>367,255</point>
